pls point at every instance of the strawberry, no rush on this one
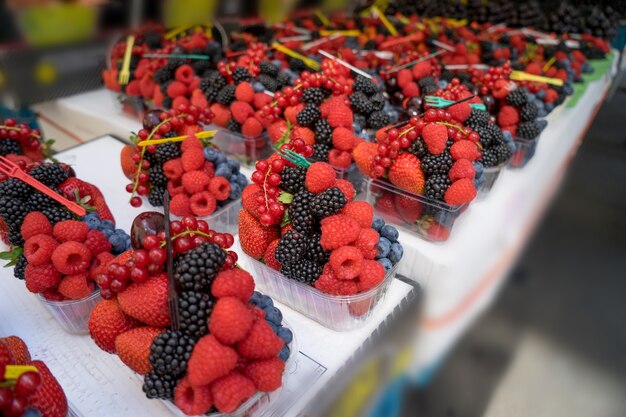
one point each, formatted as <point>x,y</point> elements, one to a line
<point>209,361</point>
<point>248,200</point>
<point>133,347</point>
<point>363,155</point>
<point>437,232</point>
<point>460,192</point>
<point>6,357</point>
<point>106,322</point>
<point>462,168</point>
<point>269,258</point>
<point>277,129</point>
<point>49,399</point>
<point>128,165</point>
<point>435,136</point>
<point>18,349</point>
<point>253,236</point>
<point>465,149</point>
<point>408,208</point>
<point>405,173</point>
<point>147,302</point>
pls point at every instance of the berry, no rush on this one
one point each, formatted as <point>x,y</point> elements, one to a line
<point>192,400</point>
<point>329,284</point>
<point>241,74</point>
<point>76,287</point>
<point>328,202</point>
<point>220,188</point>
<point>291,247</point>
<point>269,257</point>
<point>49,174</point>
<point>340,116</point>
<point>292,179</point>
<point>70,230</point>
<point>346,188</point>
<point>302,219</point>
<point>406,173</point>
<point>462,168</point>
<point>209,361</point>
<point>170,352</point>
<point>314,250</point>
<point>365,85</point>
<point>71,258</point>
<point>194,309</point>
<point>251,128</point>
<point>244,92</point>
<point>372,274</point>
<point>460,112</point>
<point>159,386</point>
<point>155,197</point>
<point>57,214</point>
<point>197,268</point>
<point>378,119</point>
<point>268,68</point>
<point>241,111</point>
<point>192,160</point>
<point>319,177</point>
<point>166,152</point>
<point>366,243</point>
<point>529,112</point>
<point>267,375</point>
<point>230,321</point>
<point>231,391</point>
<point>346,262</point>
<point>253,236</point>
<point>133,348</point>
<point>309,115</point>
<point>435,137</point>
<point>312,96</point>
<point>528,130</point>
<point>302,270</point>
<point>360,211</point>
<point>464,149</point>
<point>261,342</point>
<point>437,164</point>
<point>38,249</point>
<point>35,223</point>
<point>226,95</point>
<point>195,181</point>
<point>147,301</point>
<point>233,283</point>
<point>268,82</point>
<point>173,169</point>
<point>338,230</point>
<point>106,322</point>
<point>460,192</point>
<point>320,152</point>
<point>343,139</point>
<point>180,205</point>
<point>18,349</point>
<point>517,97</point>
<point>508,116</point>
<point>323,132</point>
<point>364,154</point>
<point>202,203</point>
<point>49,397</point>
<point>360,103</point>
<point>477,118</point>
<point>436,186</point>
<point>10,147</point>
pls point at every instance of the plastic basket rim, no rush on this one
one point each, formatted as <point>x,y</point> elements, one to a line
<point>213,126</point>
<point>209,217</point>
<point>392,188</point>
<point>66,303</point>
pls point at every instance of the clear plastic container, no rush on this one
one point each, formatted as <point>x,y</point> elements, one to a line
<point>135,107</point>
<point>243,149</point>
<point>72,315</point>
<point>491,175</point>
<point>431,219</point>
<point>351,174</point>
<point>525,150</point>
<point>339,313</point>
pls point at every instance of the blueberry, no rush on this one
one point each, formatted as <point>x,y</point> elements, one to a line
<point>389,232</point>
<point>234,166</point>
<point>541,94</point>
<point>258,87</point>
<point>479,182</point>
<point>220,158</point>
<point>542,124</point>
<point>92,222</point>
<point>223,170</point>
<point>266,301</point>
<point>242,180</point>
<point>285,334</point>
<point>383,246</point>
<point>396,253</point>
<point>386,263</point>
<point>273,315</point>
<point>377,223</point>
<point>210,154</point>
<point>442,84</point>
<point>235,191</point>
<point>284,354</point>
<point>107,224</point>
<point>256,298</point>
<point>107,233</point>
<point>479,168</point>
<point>272,325</point>
<point>120,232</point>
<point>549,107</point>
<point>118,243</point>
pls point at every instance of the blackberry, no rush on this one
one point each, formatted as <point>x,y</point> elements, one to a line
<point>292,179</point>
<point>489,135</point>
<point>436,186</point>
<point>378,119</point>
<point>365,85</point>
<point>477,118</point>
<point>215,80</point>
<point>268,68</point>
<point>164,88</point>
<point>153,39</point>
<point>226,95</point>
<point>157,386</point>
<point>166,151</point>
<point>163,74</point>
<point>426,82</point>
<point>14,235</point>
<point>496,155</point>
<point>200,66</point>
<point>10,146</point>
<point>378,101</point>
<point>155,197</point>
<point>268,82</point>
<point>314,250</point>
<point>313,96</point>
<point>20,266</point>
<point>323,132</point>
<point>211,94</point>
<point>418,148</point>
<point>50,174</point>
<point>233,125</point>
<point>309,115</point>
<point>291,247</point>
<point>517,97</point>
<point>156,176</point>
<point>529,112</point>
<point>301,217</point>
<point>370,45</point>
<point>14,188</point>
<point>302,270</point>
<point>241,74</point>
<point>320,152</point>
<point>361,104</point>
<point>296,64</point>
<point>167,103</point>
<point>195,309</point>
<point>13,211</point>
<point>528,130</point>
<point>170,352</point>
<point>40,201</point>
<point>57,214</point>
<point>283,79</point>
<point>174,63</point>
<point>328,202</point>
<point>437,164</point>
<point>196,269</point>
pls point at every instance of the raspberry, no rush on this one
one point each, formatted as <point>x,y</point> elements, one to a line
<point>508,116</point>
<point>220,188</point>
<point>52,295</point>
<point>241,111</point>
<point>339,159</point>
<point>366,243</point>
<point>435,137</point>
<point>99,263</point>
<point>230,321</point>
<point>261,342</point>
<point>97,242</point>
<point>460,112</point>
<point>340,116</point>
<point>329,284</point>
<point>261,99</point>
<point>465,149</point>
<point>233,283</point>
<point>460,192</point>
<point>173,169</point>
<point>38,249</point>
<point>41,278</point>
<point>175,187</point>
<point>231,391</point>
<point>462,169</point>
<point>190,142</point>
<point>175,89</point>
<point>184,74</point>
<point>360,211</point>
<point>180,205</point>
<point>411,89</point>
<point>267,375</point>
<point>319,177</point>
<point>195,181</point>
<point>35,223</point>
<point>202,203</point>
<point>346,262</point>
<point>222,114</point>
<point>244,92</point>
<point>71,258</point>
<point>372,274</point>
<point>193,401</point>
<point>180,101</point>
<point>209,169</point>
<point>76,286</point>
<point>70,231</point>
<point>347,188</point>
<point>251,128</point>
<point>422,69</point>
<point>338,230</point>
<point>343,139</point>
<point>192,159</point>
<point>210,360</point>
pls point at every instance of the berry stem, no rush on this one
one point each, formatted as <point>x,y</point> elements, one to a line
<point>460,129</point>
<point>18,129</point>
<point>185,233</point>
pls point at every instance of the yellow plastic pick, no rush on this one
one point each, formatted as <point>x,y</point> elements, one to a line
<point>201,135</point>
<point>14,371</point>
<point>524,76</point>
<point>391,28</point>
<point>314,65</point>
<point>322,17</point>
<point>548,64</point>
<point>340,32</point>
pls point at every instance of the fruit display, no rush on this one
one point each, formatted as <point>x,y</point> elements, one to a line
<point>27,387</point>
<point>213,347</point>
<point>21,143</point>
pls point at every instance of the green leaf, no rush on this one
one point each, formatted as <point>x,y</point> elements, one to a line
<point>285,138</point>
<point>286,219</point>
<point>285,198</point>
<point>12,256</point>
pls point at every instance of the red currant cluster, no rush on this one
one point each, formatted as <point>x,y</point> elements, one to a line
<point>28,139</point>
<point>249,59</point>
<point>454,91</point>
<point>410,56</point>
<point>14,401</point>
<point>187,234</point>
<point>487,80</point>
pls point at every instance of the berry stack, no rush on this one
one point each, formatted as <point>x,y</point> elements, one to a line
<point>20,143</point>
<point>220,317</point>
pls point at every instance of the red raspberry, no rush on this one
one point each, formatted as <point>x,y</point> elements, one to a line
<point>258,313</point>
<point>210,360</point>
<point>99,264</point>
<point>261,342</point>
<point>462,169</point>
<point>261,99</point>
<point>404,77</point>
<point>465,149</point>
<point>435,137</point>
<point>209,169</point>
<point>222,114</point>
<point>184,74</point>
<point>267,375</point>
<point>231,391</point>
<point>192,159</point>
<point>270,258</point>
<point>329,284</point>
<point>241,111</point>
<point>339,159</point>
<point>319,177</point>
<point>340,116</point>
<point>176,89</point>
<point>508,116</point>
<point>422,69</point>
<point>133,88</point>
<point>71,258</point>
<point>346,188</point>
<point>97,242</point>
<point>202,203</point>
<point>195,181</point>
<point>175,187</point>
<point>291,113</point>
<point>35,223</point>
<point>41,278</point>
<point>251,128</point>
<point>230,321</point>
<point>190,142</point>
<point>346,262</point>
<point>38,249</point>
<point>220,188</point>
<point>244,92</point>
<point>343,139</point>
<point>338,230</point>
<point>460,192</point>
<point>411,89</point>
<point>70,231</point>
<point>76,286</point>
<point>52,295</point>
<point>372,274</point>
<point>173,169</point>
<point>360,211</point>
<point>233,283</point>
<point>460,112</point>
<point>193,401</point>
<point>366,243</point>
